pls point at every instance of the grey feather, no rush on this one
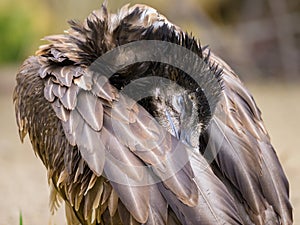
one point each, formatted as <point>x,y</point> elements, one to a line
<point>91,109</point>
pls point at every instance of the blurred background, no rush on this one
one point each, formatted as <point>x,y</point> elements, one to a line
<point>259,39</point>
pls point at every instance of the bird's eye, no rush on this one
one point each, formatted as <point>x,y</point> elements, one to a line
<point>192,96</point>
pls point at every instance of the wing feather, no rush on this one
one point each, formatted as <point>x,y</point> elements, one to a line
<point>85,126</point>
<point>155,147</point>
<point>91,109</point>
<point>245,154</point>
<point>275,185</point>
<point>236,162</point>
<point>215,204</point>
<point>158,210</point>
<point>69,99</point>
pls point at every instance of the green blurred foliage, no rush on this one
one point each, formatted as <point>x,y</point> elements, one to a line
<point>21,27</point>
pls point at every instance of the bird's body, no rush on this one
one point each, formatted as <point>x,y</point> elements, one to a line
<point>170,158</point>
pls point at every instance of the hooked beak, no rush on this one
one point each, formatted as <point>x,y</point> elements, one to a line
<point>174,131</point>
<point>182,134</point>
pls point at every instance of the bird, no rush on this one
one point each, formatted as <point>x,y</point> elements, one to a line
<point>137,123</point>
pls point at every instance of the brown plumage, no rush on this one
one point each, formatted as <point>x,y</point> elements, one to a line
<point>79,122</point>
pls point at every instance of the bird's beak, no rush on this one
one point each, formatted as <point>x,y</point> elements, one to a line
<point>174,131</point>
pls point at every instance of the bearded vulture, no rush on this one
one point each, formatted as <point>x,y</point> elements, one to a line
<point>137,123</point>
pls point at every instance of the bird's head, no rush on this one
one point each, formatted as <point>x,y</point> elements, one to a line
<point>178,110</point>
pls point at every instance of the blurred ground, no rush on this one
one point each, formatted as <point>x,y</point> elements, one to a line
<point>23,184</point>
